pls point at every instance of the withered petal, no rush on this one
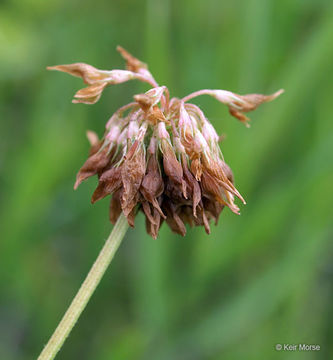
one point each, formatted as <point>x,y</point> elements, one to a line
<point>109,182</point>
<point>132,173</point>
<point>193,185</point>
<point>131,217</point>
<point>92,166</point>
<point>115,206</point>
<point>88,73</point>
<point>153,227</point>
<point>152,185</point>
<point>212,187</point>
<point>147,209</point>
<point>213,208</point>
<point>172,167</point>
<point>173,220</point>
<point>196,168</point>
<point>132,63</point>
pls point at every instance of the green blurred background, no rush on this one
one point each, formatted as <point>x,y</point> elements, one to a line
<point>259,279</point>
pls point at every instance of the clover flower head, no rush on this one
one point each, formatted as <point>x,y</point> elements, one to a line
<point>159,155</point>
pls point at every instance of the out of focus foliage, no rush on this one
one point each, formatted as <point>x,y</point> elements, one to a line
<point>261,278</point>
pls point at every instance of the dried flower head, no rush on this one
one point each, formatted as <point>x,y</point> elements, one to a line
<point>159,155</point>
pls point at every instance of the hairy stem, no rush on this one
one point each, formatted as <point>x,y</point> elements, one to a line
<point>86,290</point>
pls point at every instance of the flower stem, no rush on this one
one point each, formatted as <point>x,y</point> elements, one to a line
<point>86,290</point>
<point>196,93</point>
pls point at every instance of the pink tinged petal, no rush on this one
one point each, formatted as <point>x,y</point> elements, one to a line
<point>133,130</point>
<point>226,97</point>
<point>162,131</point>
<point>122,137</point>
<point>156,94</point>
<point>185,122</point>
<point>113,134</point>
<point>113,120</point>
<point>209,132</point>
<point>153,145</point>
<point>118,76</point>
<point>179,146</point>
<point>200,143</point>
<point>150,98</point>
<point>139,141</point>
<point>194,109</point>
<point>118,114</point>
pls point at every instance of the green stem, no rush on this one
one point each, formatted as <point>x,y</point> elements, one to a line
<point>86,290</point>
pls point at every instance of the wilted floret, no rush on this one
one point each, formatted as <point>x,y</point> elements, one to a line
<point>159,155</point>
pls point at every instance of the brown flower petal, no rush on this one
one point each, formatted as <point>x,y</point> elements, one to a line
<point>186,215</point>
<point>148,211</point>
<point>227,171</point>
<point>115,206</point>
<point>173,219</point>
<point>212,208</point>
<point>152,185</point>
<point>131,217</point>
<point>132,173</point>
<point>213,187</point>
<point>132,63</point>
<point>193,185</point>
<point>203,219</point>
<point>88,73</point>
<point>172,167</point>
<point>153,227</point>
<point>92,166</point>
<point>216,169</point>
<point>90,94</point>
<point>196,168</point>
<point>109,182</point>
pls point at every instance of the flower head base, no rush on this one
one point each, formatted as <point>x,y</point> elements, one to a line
<point>158,155</point>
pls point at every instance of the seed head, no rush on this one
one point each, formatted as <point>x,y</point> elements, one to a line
<point>159,155</point>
